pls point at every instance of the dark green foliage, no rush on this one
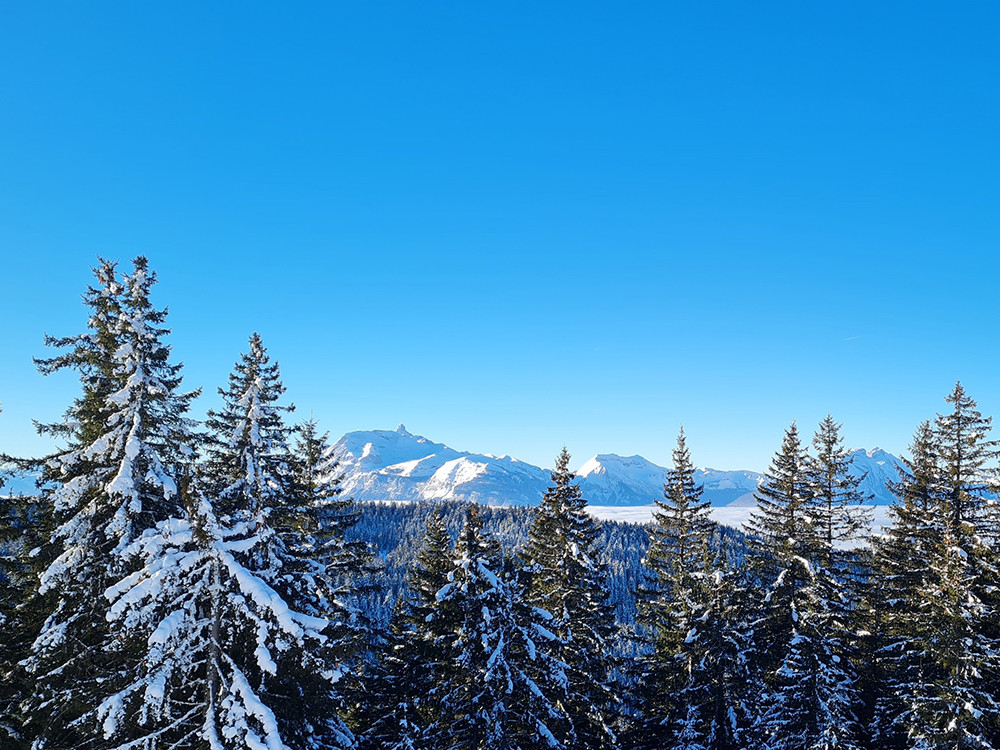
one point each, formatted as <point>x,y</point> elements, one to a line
<point>25,551</point>
<point>125,435</point>
<point>401,700</point>
<point>782,540</point>
<point>838,506</point>
<point>500,687</point>
<point>801,640</point>
<point>274,503</point>
<point>567,580</point>
<point>940,569</point>
<point>690,681</point>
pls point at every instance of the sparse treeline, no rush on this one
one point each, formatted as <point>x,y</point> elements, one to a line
<point>186,584</point>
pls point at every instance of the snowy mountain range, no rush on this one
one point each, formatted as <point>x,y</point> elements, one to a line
<point>398,465</point>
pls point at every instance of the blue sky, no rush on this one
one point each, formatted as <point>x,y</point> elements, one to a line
<point>517,225</point>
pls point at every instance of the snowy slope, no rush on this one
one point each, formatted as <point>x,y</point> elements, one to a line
<point>733,516</point>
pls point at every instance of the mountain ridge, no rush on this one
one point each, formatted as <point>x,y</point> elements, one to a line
<point>401,466</point>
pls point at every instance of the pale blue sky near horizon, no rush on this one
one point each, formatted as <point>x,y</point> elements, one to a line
<point>516,225</point>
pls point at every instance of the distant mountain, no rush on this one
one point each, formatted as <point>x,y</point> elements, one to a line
<point>732,488</point>
<point>398,465</point>
<point>613,480</point>
<point>879,468</point>
<point>607,479</point>
<point>19,483</point>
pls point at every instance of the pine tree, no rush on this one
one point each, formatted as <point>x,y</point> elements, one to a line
<point>970,568</point>
<point>813,695</point>
<point>689,682</point>
<point>843,518</point>
<point>249,632</point>
<point>25,549</point>
<point>405,698</point>
<point>326,574</point>
<point>25,530</point>
<point>809,693</point>
<point>967,456</point>
<point>904,556</point>
<point>781,542</point>
<point>941,567</point>
<point>838,504</point>
<point>500,688</point>
<point>567,581</point>
<point>271,525</point>
<point>315,520</point>
<point>249,455</point>
<point>126,435</point>
<point>52,703</point>
<point>874,661</point>
<point>958,710</point>
<point>218,633</point>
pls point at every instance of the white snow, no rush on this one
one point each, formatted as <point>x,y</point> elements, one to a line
<point>736,517</point>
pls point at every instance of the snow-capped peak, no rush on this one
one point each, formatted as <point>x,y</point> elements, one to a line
<point>398,465</point>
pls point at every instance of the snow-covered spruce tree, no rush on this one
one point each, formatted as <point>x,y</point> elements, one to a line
<point>809,693</point>
<point>958,710</point>
<point>247,625</point>
<point>782,541</point>
<point>270,524</point>
<point>54,700</point>
<point>947,649</point>
<point>126,435</point>
<point>402,690</point>
<point>328,573</point>
<point>218,632</point>
<point>969,483</point>
<point>500,689</point>
<point>566,579</point>
<point>843,518</point>
<point>689,685</point>
<point>249,458</point>
<point>317,517</point>
<point>903,574</point>
<point>873,663</point>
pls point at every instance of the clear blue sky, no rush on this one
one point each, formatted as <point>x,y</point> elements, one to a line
<point>514,225</point>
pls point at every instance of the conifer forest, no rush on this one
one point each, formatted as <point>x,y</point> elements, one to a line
<point>200,581</point>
